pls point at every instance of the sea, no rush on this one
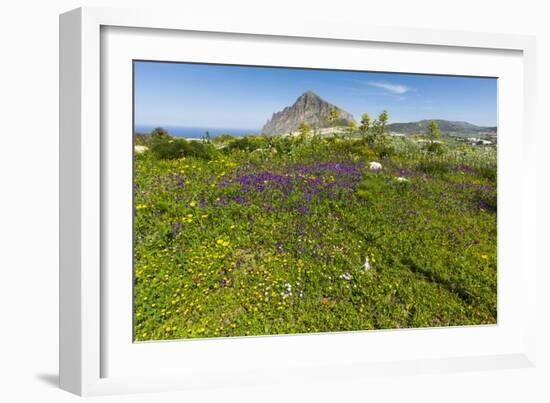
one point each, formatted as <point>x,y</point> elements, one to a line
<point>196,132</point>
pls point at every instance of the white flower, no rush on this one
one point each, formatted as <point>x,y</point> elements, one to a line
<point>366,266</point>
<point>346,276</point>
<point>375,166</point>
<point>288,291</point>
<point>401,179</point>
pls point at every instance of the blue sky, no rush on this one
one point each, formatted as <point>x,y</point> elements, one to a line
<point>217,96</point>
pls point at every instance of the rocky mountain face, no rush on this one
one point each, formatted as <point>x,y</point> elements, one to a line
<point>445,126</point>
<point>309,108</point>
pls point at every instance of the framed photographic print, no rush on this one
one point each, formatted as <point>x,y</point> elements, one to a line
<point>241,202</point>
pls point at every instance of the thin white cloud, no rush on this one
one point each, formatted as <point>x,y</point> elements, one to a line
<point>393,88</point>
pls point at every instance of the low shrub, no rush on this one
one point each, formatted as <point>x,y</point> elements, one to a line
<point>434,148</point>
<point>223,139</point>
<point>244,144</point>
<point>383,147</point>
<point>164,147</point>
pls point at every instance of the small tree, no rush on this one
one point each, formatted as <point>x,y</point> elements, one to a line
<point>352,127</point>
<point>383,119</point>
<point>365,124</point>
<point>379,126</point>
<point>304,128</point>
<point>333,117</point>
<point>433,132</point>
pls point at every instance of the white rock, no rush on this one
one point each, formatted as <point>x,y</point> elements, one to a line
<point>375,166</point>
<point>366,265</point>
<point>140,149</point>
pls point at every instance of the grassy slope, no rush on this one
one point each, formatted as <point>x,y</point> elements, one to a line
<point>275,240</point>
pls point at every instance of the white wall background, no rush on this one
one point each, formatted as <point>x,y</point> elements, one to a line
<point>29,201</point>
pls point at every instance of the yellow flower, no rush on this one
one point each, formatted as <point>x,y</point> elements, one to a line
<point>192,204</point>
<point>484,257</point>
<point>141,206</point>
<point>222,242</point>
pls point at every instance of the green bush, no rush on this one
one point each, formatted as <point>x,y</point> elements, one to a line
<point>283,145</point>
<point>223,139</point>
<point>165,147</point>
<point>383,147</point>
<point>434,148</point>
<point>244,144</point>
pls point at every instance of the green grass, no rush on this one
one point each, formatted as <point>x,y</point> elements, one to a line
<point>270,236</point>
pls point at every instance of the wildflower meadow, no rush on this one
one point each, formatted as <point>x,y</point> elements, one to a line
<point>264,235</point>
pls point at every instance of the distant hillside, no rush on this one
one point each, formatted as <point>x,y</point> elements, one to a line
<point>445,126</point>
<point>309,108</point>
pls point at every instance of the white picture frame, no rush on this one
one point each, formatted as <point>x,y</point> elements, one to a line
<point>88,333</point>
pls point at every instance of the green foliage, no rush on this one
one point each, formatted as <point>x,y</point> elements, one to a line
<point>434,166</point>
<point>372,186</point>
<point>383,120</point>
<point>383,146</point>
<point>223,139</point>
<point>199,149</point>
<point>333,116</point>
<point>304,129</point>
<point>244,144</point>
<point>487,199</point>
<point>283,145</point>
<point>159,133</point>
<point>488,172</point>
<point>365,124</point>
<point>352,128</point>
<point>433,132</point>
<point>378,130</point>
<point>166,147</point>
<point>434,148</point>
<point>142,139</point>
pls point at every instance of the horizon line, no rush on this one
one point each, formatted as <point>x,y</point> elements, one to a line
<point>155,125</point>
